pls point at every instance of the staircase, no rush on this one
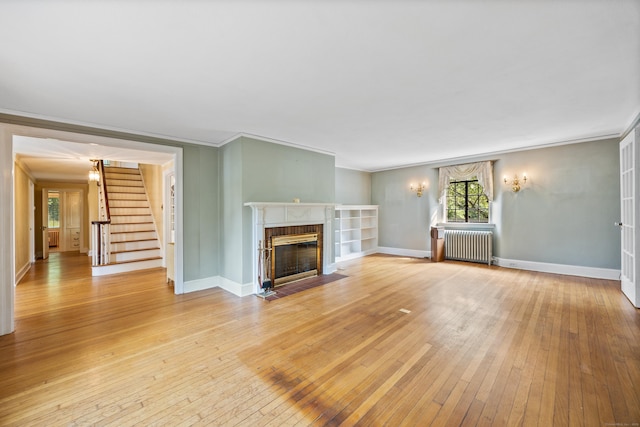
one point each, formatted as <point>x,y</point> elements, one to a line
<point>134,240</point>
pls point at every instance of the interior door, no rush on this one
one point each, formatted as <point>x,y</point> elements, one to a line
<point>71,220</point>
<point>628,182</point>
<point>45,222</point>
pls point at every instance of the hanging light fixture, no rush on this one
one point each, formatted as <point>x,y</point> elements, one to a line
<point>94,174</point>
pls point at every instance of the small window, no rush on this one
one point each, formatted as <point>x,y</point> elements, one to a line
<point>466,202</point>
<point>54,209</point>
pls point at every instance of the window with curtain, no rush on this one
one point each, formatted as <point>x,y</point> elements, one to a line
<point>465,192</point>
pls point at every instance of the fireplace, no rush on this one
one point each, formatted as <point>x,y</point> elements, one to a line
<point>293,219</point>
<point>294,257</point>
<point>295,252</point>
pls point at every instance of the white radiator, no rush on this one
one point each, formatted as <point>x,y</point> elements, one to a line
<point>54,238</point>
<point>467,245</point>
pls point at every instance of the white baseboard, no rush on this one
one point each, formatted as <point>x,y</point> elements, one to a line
<point>570,270</point>
<point>331,268</point>
<point>235,288</point>
<point>21,272</point>
<point>543,267</point>
<point>238,289</point>
<point>201,284</point>
<point>414,253</point>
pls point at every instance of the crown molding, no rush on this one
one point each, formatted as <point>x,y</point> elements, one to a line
<point>275,141</point>
<point>38,121</point>
<point>489,155</point>
<point>635,122</point>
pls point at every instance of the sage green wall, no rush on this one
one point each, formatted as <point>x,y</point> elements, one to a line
<point>280,173</point>
<point>231,261</point>
<point>259,171</point>
<point>403,217</point>
<point>563,215</point>
<point>353,187</point>
<point>200,212</point>
<point>566,212</point>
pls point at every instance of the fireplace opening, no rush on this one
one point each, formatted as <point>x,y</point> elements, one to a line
<point>294,257</point>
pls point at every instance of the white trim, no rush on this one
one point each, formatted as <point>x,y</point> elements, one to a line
<point>275,141</point>
<point>20,273</point>
<point>201,284</point>
<point>488,155</point>
<point>569,270</point>
<point>273,214</point>
<point>466,226</point>
<point>177,153</point>
<point>238,289</point>
<point>330,268</point>
<point>7,229</point>
<point>93,126</point>
<point>413,253</point>
<point>635,122</point>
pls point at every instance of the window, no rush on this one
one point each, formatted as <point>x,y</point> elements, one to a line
<point>466,202</point>
<point>54,209</point>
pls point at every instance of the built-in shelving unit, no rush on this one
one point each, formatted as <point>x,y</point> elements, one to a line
<point>356,231</point>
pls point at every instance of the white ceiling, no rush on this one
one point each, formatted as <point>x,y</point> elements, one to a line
<point>56,160</point>
<point>381,84</point>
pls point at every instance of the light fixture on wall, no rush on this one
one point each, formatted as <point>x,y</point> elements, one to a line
<point>419,188</point>
<point>94,174</point>
<point>516,183</point>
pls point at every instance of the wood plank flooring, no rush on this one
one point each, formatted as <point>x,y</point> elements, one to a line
<point>480,346</point>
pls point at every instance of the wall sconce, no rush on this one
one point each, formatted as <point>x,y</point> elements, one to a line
<point>515,182</point>
<point>94,175</point>
<point>418,188</point>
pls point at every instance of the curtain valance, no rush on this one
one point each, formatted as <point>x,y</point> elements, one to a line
<point>482,171</point>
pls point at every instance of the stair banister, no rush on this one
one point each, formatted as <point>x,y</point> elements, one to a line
<point>100,230</point>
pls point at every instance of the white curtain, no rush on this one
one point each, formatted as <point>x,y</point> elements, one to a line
<point>482,171</point>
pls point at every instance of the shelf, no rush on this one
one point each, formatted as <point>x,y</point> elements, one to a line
<point>356,231</point>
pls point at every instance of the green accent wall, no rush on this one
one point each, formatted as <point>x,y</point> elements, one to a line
<point>201,207</point>
<point>564,214</point>
<point>260,171</point>
<point>353,187</point>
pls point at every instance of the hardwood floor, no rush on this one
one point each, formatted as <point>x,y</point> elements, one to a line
<point>480,346</point>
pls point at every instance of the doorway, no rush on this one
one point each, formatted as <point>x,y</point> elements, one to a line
<point>92,143</point>
<point>62,225</point>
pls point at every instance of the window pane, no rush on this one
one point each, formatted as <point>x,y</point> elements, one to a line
<point>466,202</point>
<point>54,210</point>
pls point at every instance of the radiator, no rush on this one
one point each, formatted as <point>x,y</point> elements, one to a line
<point>464,245</point>
<point>54,238</point>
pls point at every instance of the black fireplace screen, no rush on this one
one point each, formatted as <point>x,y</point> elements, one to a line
<point>295,258</point>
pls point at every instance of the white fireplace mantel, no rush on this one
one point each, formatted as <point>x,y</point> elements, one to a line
<point>267,215</point>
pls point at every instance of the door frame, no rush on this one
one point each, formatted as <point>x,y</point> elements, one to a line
<point>61,190</point>
<point>629,217</point>
<point>44,228</point>
<point>32,222</point>
<point>7,220</point>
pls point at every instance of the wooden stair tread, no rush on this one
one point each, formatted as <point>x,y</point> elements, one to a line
<point>134,250</point>
<point>133,241</point>
<point>134,223</point>
<point>133,260</point>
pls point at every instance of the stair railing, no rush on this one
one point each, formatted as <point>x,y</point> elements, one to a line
<point>100,230</point>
